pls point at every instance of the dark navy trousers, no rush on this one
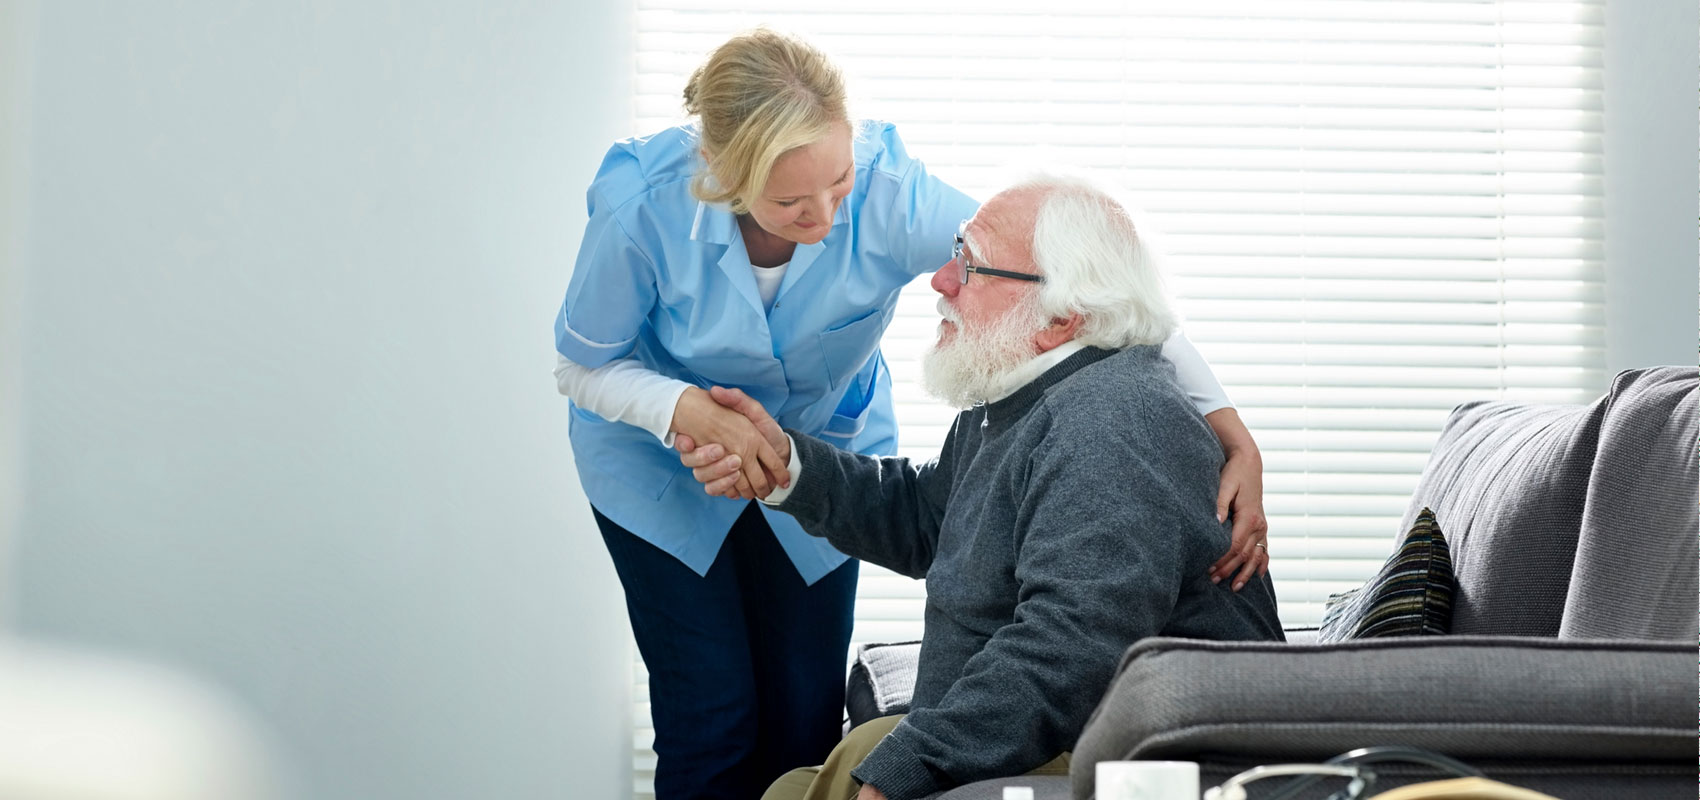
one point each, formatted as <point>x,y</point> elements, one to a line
<point>746,663</point>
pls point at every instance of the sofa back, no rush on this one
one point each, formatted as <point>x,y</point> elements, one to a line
<point>1573,520</point>
<point>1638,556</point>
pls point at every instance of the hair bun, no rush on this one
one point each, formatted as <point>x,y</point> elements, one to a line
<point>691,91</point>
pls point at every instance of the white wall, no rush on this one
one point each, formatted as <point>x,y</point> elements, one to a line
<point>17,27</point>
<point>291,270</point>
<point>1652,182</point>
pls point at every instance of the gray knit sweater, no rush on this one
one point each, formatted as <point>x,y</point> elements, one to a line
<point>1057,527</point>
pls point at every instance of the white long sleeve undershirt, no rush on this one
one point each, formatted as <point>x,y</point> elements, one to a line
<point>1194,375</point>
<point>623,390</point>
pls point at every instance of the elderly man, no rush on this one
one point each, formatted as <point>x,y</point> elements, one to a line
<point>1071,512</point>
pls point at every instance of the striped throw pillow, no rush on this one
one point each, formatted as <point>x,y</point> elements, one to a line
<point>1410,596</point>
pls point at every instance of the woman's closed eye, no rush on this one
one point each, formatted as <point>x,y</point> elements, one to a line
<point>795,200</point>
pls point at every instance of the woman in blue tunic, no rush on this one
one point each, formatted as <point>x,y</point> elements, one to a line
<point>761,247</point>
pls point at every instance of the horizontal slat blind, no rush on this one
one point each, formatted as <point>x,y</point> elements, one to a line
<point>1374,210</point>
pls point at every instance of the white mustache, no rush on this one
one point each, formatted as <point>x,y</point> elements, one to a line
<point>947,312</point>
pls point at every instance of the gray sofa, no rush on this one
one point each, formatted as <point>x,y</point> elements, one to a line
<point>1570,666</point>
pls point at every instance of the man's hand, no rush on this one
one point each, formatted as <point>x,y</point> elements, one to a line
<point>723,419</point>
<point>1242,494</point>
<point>870,793</point>
<point>722,470</point>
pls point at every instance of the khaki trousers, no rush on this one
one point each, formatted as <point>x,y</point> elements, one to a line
<point>832,781</point>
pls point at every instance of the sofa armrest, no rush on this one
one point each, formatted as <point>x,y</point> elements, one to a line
<point>1476,698</point>
<point>882,679</point>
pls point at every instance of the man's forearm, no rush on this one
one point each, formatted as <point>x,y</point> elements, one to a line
<point>881,510</point>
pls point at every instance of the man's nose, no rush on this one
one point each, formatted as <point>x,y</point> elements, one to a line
<point>947,281</point>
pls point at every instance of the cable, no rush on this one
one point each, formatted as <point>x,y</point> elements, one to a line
<point>1234,788</point>
<point>1376,755</point>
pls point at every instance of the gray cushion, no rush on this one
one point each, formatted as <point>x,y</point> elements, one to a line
<point>882,679</point>
<point>1485,700</point>
<point>1516,486</point>
<point>1508,482</point>
<point>1644,491</point>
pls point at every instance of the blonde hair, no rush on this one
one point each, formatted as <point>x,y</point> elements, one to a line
<point>759,95</point>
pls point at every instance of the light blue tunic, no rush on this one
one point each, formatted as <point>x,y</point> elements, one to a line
<point>664,278</point>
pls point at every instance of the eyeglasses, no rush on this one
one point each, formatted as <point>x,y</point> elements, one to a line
<point>961,258</point>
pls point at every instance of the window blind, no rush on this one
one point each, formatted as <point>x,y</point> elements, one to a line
<point>1373,211</point>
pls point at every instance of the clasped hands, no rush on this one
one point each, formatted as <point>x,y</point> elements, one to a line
<point>734,449</point>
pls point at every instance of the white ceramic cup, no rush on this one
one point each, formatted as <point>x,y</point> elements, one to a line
<point>1147,780</point>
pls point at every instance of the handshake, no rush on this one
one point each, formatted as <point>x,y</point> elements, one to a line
<point>733,447</point>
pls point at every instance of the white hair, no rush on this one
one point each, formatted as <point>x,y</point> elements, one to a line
<point>1097,263</point>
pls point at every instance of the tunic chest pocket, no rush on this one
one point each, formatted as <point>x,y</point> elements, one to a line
<point>847,347</point>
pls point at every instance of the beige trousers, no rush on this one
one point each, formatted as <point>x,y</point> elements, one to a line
<point>832,781</point>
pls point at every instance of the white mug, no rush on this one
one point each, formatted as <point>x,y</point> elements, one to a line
<point>1147,780</point>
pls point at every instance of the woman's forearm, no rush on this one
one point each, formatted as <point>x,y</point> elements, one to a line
<point>1232,432</point>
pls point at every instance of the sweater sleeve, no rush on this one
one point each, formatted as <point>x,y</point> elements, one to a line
<point>1101,549</point>
<point>885,510</point>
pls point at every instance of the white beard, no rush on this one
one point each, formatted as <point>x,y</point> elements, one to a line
<point>975,366</point>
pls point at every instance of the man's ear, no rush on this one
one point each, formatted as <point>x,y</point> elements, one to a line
<point>1061,330</point>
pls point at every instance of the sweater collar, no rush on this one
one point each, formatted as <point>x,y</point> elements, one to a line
<point>1034,367</point>
<point>1001,413</point>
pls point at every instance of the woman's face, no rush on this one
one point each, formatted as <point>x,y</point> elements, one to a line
<point>805,187</point>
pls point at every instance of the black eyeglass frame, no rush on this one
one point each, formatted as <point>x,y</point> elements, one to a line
<point>961,257</point>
